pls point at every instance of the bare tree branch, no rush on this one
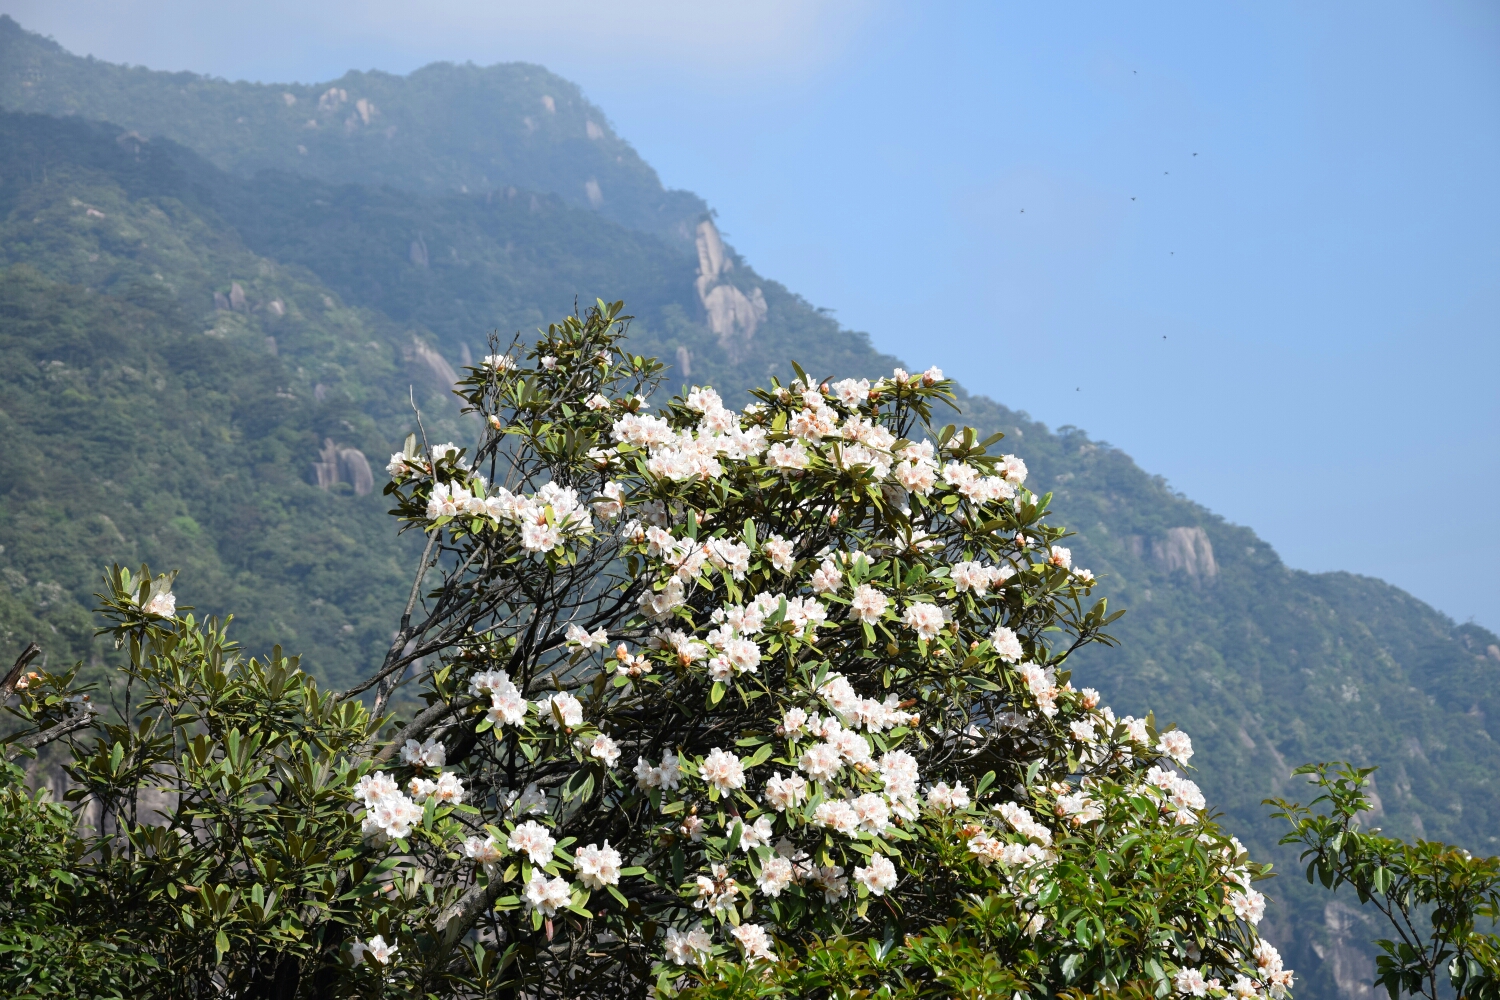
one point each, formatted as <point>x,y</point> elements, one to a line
<point>8,686</point>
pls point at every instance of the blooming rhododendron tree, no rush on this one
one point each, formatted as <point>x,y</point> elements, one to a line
<point>762,702</point>
<point>725,684</point>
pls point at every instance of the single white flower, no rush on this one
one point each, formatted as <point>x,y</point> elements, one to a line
<point>161,603</point>
<point>375,948</point>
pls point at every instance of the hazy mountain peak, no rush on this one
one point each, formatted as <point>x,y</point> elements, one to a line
<point>444,128</point>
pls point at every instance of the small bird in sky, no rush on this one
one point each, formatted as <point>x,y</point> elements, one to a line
<point>1023,211</point>
<point>1166,171</point>
<point>1195,154</point>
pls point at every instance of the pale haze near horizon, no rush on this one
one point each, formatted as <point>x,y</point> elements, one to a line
<point>1255,246</point>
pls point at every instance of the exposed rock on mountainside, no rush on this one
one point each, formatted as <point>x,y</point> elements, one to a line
<point>442,373</point>
<point>733,316</point>
<point>1186,550</point>
<point>1345,953</point>
<point>338,464</point>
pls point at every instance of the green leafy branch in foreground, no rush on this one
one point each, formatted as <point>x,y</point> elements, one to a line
<point>1433,894</point>
<point>213,851</point>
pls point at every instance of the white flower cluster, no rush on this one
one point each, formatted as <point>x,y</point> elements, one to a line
<point>839,695</point>
<point>545,518</point>
<point>1183,796</point>
<point>1042,683</point>
<point>482,850</point>
<point>391,813</point>
<point>731,646</point>
<point>388,812</point>
<point>597,866</point>
<point>691,454</point>
<point>507,705</point>
<point>944,799</point>
<point>430,753</point>
<point>968,481</point>
<point>547,895</point>
<point>977,579</point>
<point>1272,979</point>
<point>1078,807</point>
<point>666,775</point>
<point>690,947</point>
<point>447,789</point>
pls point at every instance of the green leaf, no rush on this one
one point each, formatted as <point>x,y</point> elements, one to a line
<point>760,756</point>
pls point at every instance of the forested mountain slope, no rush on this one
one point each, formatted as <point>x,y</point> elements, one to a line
<point>148,413</point>
<point>142,422</point>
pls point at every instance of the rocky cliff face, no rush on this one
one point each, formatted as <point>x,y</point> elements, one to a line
<point>1178,550</point>
<point>733,316</point>
<point>338,464</point>
<point>433,364</point>
<point>1344,953</point>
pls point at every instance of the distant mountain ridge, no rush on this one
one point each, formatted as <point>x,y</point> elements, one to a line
<point>382,287</point>
<point>415,132</point>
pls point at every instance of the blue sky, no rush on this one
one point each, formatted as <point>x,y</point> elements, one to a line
<point>1260,245</point>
